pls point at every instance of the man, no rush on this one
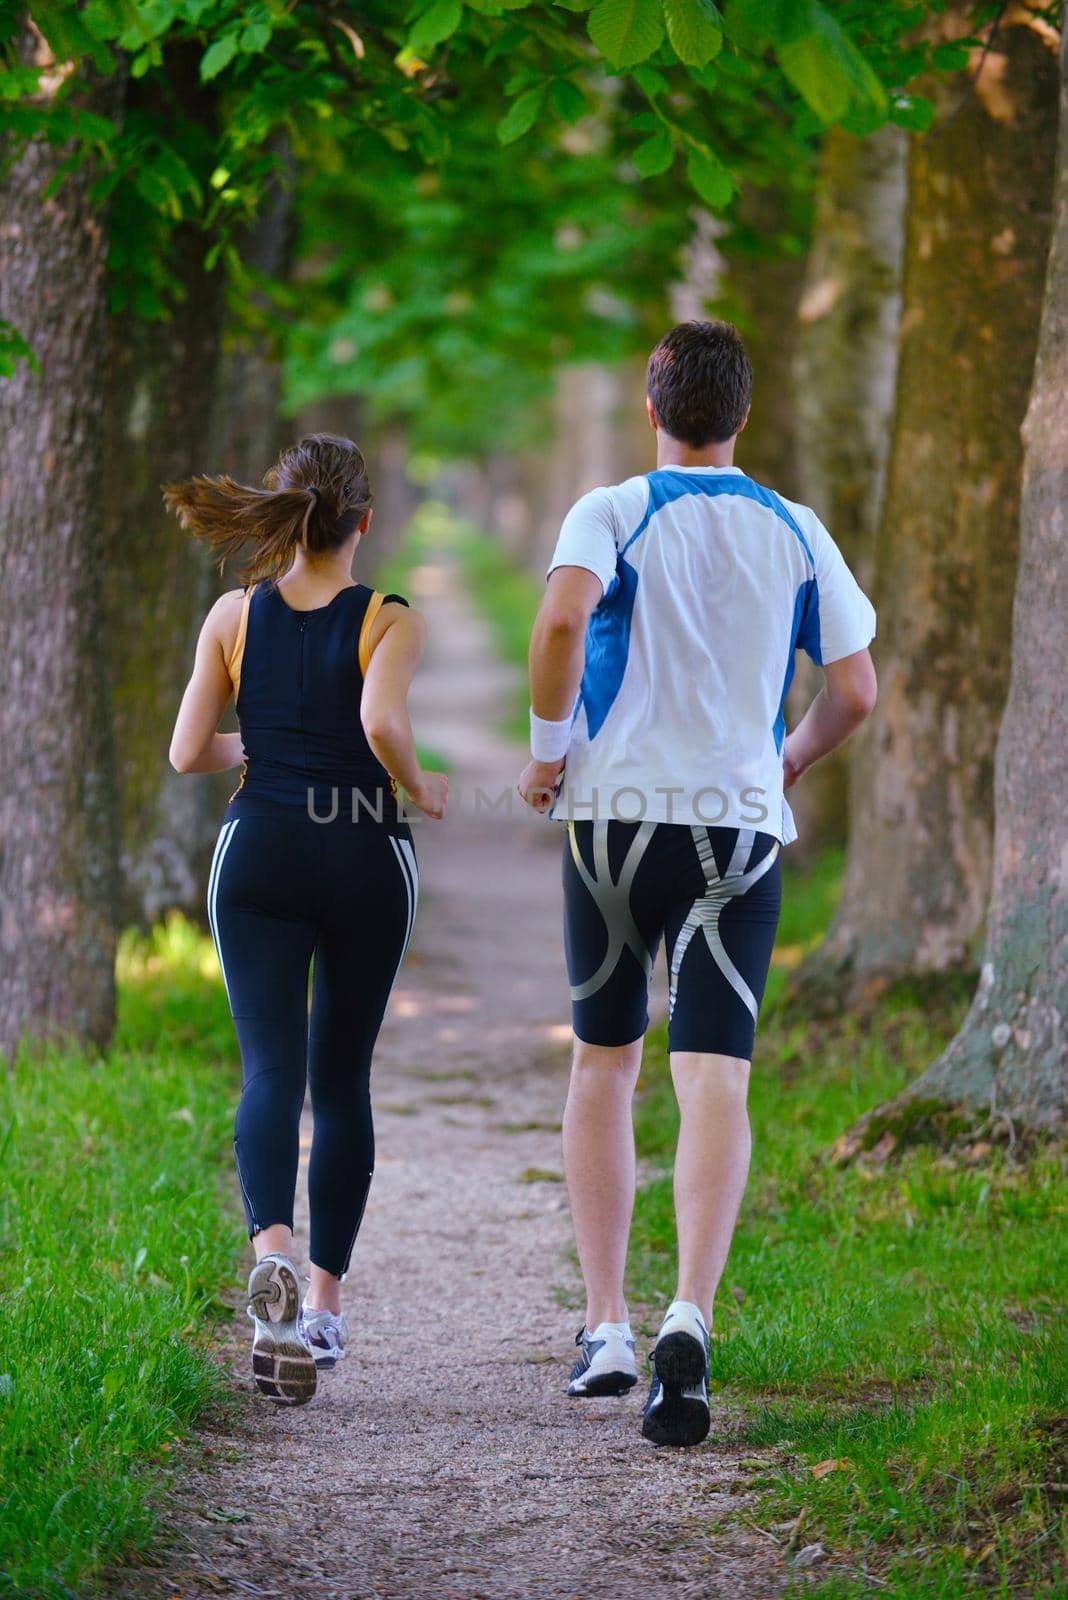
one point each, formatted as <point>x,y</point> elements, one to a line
<point>659,665</point>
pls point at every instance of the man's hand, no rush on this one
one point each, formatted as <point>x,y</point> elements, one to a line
<point>792,766</point>
<point>538,783</point>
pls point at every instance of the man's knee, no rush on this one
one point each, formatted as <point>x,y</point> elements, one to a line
<point>701,1072</point>
<point>607,1058</point>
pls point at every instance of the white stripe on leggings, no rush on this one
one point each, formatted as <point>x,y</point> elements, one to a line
<point>410,873</point>
<point>222,846</point>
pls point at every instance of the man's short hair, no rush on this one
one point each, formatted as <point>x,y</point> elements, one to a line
<point>700,382</point>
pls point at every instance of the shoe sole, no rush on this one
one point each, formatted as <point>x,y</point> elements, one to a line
<point>283,1368</point>
<point>605,1383</point>
<point>680,1420</point>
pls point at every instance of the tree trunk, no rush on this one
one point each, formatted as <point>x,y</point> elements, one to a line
<point>847,336</point>
<point>918,872</point>
<point>176,405</point>
<point>158,585</point>
<point>1011,1054</point>
<point>58,837</point>
<point>765,276</point>
<point>844,373</point>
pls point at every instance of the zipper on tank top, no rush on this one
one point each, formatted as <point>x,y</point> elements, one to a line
<point>300,690</point>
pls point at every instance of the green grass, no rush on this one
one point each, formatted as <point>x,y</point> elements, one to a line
<point>117,1229</point>
<point>905,1321</point>
<point>506,593</point>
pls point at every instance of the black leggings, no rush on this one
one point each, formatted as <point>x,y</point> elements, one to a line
<point>286,894</point>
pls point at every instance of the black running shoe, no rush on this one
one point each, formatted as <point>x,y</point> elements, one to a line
<point>677,1410</point>
<point>606,1363</point>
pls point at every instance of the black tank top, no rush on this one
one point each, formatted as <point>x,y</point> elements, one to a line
<point>298,679</point>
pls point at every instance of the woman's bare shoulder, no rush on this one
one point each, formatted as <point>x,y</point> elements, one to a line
<point>224,618</point>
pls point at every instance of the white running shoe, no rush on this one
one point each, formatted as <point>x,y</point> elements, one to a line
<point>283,1367</point>
<point>677,1410</point>
<point>326,1333</point>
<point>606,1363</point>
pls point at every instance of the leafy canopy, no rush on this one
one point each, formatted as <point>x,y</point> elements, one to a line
<point>485,187</point>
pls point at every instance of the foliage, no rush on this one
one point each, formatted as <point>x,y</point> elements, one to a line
<point>116,1231</point>
<point>889,1334</point>
<point>464,144</point>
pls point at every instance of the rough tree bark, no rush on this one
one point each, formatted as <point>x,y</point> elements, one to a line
<point>918,871</point>
<point>846,362</point>
<point>1011,1054</point>
<point>844,373</point>
<point>58,839</point>
<point>767,285</point>
<point>177,404</point>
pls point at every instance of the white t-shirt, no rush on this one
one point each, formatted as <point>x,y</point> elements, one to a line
<point>710,584</point>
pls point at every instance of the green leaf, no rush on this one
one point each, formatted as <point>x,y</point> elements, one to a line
<point>255,37</point>
<point>567,100</point>
<point>627,31</point>
<point>651,82</point>
<point>828,71</point>
<point>746,22</point>
<point>13,349</point>
<point>438,23</point>
<point>654,155</point>
<point>693,29</point>
<point>709,177</point>
<point>912,111</point>
<point>521,115</point>
<point>217,56</point>
<point>951,57</point>
<point>156,192</point>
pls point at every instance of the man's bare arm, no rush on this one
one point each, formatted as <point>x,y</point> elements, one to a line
<point>557,657</point>
<point>846,699</point>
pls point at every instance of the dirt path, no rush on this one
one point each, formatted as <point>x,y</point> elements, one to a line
<point>443,1459</point>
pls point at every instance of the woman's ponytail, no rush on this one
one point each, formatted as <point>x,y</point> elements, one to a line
<point>314,495</point>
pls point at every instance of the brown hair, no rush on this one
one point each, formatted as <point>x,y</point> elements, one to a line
<point>700,382</point>
<point>315,494</point>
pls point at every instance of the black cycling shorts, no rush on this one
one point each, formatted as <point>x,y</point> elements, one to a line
<point>713,893</point>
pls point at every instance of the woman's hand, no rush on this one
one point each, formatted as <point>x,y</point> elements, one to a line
<point>430,795</point>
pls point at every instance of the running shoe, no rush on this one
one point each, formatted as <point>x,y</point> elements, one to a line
<point>606,1363</point>
<point>677,1410</point>
<point>326,1333</point>
<point>283,1367</point>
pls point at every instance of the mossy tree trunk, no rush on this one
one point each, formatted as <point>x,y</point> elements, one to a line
<point>844,375</point>
<point>918,872</point>
<point>1011,1054</point>
<point>58,839</point>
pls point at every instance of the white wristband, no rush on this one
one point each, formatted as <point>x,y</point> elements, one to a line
<point>549,740</point>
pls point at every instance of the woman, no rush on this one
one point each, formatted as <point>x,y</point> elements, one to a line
<point>314,860</point>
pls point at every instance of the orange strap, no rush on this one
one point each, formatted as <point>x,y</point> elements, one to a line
<point>233,666</point>
<point>374,606</point>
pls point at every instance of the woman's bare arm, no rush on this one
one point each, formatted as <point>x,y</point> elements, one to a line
<point>396,653</point>
<point>196,744</point>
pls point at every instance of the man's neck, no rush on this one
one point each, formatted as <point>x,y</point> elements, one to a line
<point>674,453</point>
